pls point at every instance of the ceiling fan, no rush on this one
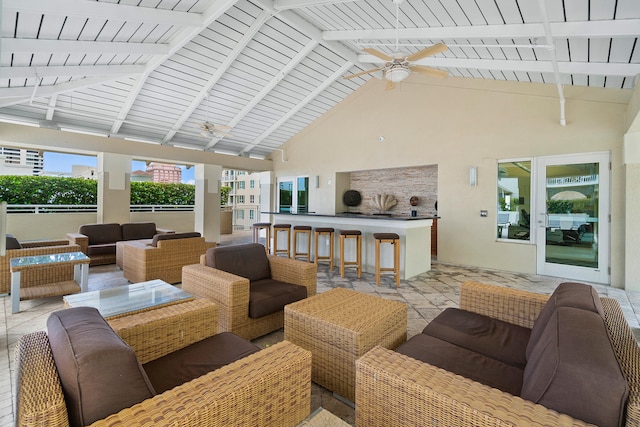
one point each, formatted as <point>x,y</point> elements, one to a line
<point>210,129</point>
<point>398,65</point>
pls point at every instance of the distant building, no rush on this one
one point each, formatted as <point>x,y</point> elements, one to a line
<point>141,176</point>
<point>20,161</point>
<point>244,196</point>
<point>83,171</point>
<point>165,173</point>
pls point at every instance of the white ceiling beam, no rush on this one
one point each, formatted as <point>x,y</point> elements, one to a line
<point>296,4</point>
<point>590,29</point>
<point>51,108</point>
<point>260,20</point>
<point>267,88</point>
<point>70,71</point>
<point>11,45</point>
<point>294,110</point>
<point>102,10</point>
<point>590,68</point>
<point>213,12</point>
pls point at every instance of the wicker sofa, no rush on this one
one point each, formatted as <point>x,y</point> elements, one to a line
<point>253,288</point>
<point>271,387</point>
<point>31,280</point>
<point>98,241</point>
<point>395,389</point>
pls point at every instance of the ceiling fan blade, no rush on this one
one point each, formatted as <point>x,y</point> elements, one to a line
<point>223,128</point>
<point>390,85</point>
<point>428,71</point>
<point>432,50</point>
<point>378,54</point>
<point>373,70</point>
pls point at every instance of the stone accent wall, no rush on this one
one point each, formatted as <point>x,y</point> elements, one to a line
<point>421,181</point>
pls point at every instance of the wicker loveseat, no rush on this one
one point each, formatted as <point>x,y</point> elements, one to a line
<point>395,389</point>
<point>251,301</point>
<point>31,280</point>
<point>270,387</point>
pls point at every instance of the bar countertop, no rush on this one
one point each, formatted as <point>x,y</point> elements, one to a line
<point>358,215</point>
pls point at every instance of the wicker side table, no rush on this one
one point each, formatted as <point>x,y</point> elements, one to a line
<point>339,326</point>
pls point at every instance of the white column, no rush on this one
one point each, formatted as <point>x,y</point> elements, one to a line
<point>114,190</point>
<point>632,211</point>
<point>207,209</point>
<point>266,192</point>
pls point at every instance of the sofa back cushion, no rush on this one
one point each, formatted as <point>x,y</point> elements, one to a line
<point>99,372</point>
<point>159,237</point>
<point>101,233</point>
<point>247,260</point>
<point>138,230</point>
<point>568,294</point>
<point>573,369</point>
<point>12,242</point>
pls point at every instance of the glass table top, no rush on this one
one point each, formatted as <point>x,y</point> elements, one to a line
<point>48,259</point>
<point>123,300</point>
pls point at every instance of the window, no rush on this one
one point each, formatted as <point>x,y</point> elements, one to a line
<point>252,199</point>
<point>240,185</point>
<point>514,200</point>
<point>252,183</point>
<point>251,215</point>
<point>293,195</point>
<point>240,199</point>
<point>239,214</point>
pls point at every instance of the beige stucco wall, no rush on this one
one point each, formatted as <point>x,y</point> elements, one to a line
<point>456,123</point>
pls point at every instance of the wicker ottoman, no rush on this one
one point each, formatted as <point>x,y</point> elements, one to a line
<point>339,326</point>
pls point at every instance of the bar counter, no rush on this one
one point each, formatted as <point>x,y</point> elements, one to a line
<point>414,232</point>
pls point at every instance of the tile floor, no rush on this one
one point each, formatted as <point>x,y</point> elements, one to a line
<point>426,295</point>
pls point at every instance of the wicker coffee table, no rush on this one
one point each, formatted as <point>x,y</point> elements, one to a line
<point>339,326</point>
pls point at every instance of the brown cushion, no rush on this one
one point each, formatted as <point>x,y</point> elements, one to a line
<point>99,372</point>
<point>568,294</point>
<point>197,359</point>
<point>12,242</point>
<point>104,249</point>
<point>494,338</point>
<point>573,369</point>
<point>101,233</point>
<point>461,361</point>
<point>138,230</point>
<point>159,237</point>
<point>269,296</point>
<point>247,260</point>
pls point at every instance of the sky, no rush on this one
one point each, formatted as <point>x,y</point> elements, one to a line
<point>60,162</point>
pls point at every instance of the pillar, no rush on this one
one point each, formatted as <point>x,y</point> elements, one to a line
<point>632,211</point>
<point>207,209</point>
<point>114,190</point>
<point>266,195</point>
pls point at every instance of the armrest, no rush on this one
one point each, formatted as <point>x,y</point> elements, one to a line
<point>391,387</point>
<point>44,243</point>
<point>155,333</point>
<point>79,239</point>
<point>164,231</point>
<point>278,376</point>
<point>296,272</point>
<point>224,288</point>
<point>510,305</point>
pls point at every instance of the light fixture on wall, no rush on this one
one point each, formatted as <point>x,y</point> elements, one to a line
<point>473,176</point>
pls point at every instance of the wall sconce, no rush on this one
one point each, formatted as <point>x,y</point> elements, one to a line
<point>473,176</point>
<point>316,181</point>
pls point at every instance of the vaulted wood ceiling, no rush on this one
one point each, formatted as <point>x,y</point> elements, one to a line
<point>155,70</point>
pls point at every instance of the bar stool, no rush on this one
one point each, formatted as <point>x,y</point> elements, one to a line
<point>266,226</point>
<point>394,239</point>
<point>304,229</point>
<point>351,234</point>
<point>324,231</point>
<point>276,229</point>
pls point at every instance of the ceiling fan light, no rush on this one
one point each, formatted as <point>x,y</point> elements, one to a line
<point>397,74</point>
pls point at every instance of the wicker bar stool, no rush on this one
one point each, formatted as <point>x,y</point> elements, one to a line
<point>277,228</point>
<point>394,239</point>
<point>255,229</point>
<point>328,232</point>
<point>306,230</point>
<point>351,234</point>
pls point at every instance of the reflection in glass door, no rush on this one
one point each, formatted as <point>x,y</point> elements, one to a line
<point>572,218</point>
<point>293,195</point>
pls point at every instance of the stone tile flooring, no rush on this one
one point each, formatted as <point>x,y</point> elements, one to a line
<point>426,295</point>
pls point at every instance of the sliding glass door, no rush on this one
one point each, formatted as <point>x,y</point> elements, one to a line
<point>293,194</point>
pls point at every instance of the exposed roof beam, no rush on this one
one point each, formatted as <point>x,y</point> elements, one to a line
<point>590,68</point>
<point>295,4</point>
<point>93,9</point>
<point>267,88</point>
<point>294,110</point>
<point>213,12</point>
<point>76,46</point>
<point>70,71</point>
<point>582,29</point>
<point>52,107</point>
<point>228,60</point>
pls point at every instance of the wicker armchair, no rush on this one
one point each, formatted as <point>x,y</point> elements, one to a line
<point>269,388</point>
<point>162,259</point>
<point>393,389</point>
<point>52,274</point>
<point>231,293</point>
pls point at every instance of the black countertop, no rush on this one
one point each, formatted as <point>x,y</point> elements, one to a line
<point>358,215</point>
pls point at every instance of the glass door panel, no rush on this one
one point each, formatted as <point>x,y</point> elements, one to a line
<point>285,196</point>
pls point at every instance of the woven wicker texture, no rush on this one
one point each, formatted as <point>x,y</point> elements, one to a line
<point>231,293</point>
<point>393,389</point>
<point>338,327</point>
<point>36,276</point>
<point>143,262</point>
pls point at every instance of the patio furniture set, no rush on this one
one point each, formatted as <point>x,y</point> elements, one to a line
<point>504,357</point>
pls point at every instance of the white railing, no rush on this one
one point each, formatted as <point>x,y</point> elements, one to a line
<point>160,208</point>
<point>42,209</point>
